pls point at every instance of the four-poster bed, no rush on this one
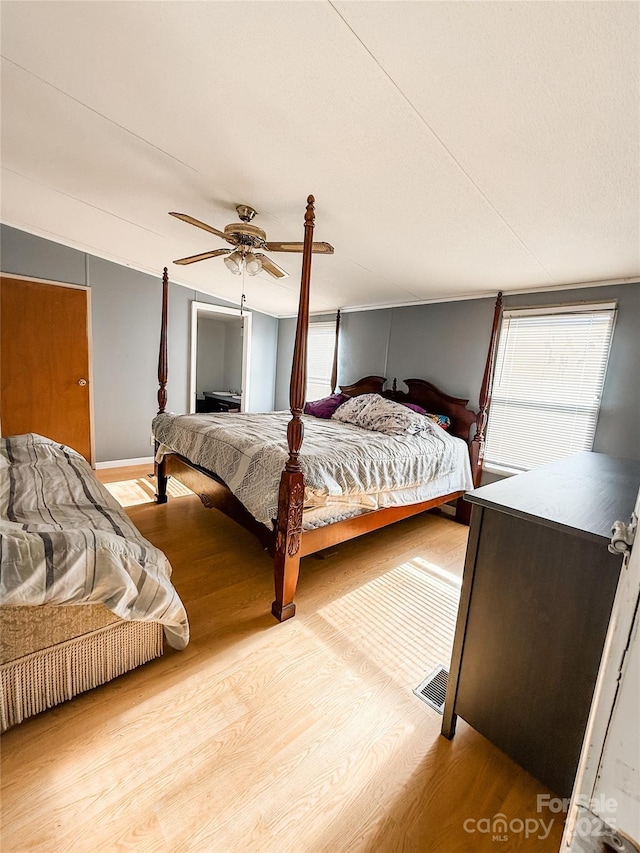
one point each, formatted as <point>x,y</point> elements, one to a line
<point>287,539</point>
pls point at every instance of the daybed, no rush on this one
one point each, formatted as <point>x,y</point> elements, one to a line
<point>84,596</point>
<point>241,464</point>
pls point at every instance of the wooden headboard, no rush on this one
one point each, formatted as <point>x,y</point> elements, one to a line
<point>431,398</point>
<point>366,385</point>
<point>424,394</point>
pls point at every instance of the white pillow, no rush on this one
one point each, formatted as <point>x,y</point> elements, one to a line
<point>371,411</point>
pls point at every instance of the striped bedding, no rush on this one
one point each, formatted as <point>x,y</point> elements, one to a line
<point>65,540</point>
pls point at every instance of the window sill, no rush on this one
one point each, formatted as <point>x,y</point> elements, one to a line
<point>503,470</point>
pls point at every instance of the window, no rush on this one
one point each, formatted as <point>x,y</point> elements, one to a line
<point>549,375</point>
<point>320,345</point>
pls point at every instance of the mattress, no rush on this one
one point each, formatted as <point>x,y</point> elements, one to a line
<point>348,470</point>
<point>50,654</point>
<point>25,630</point>
<point>65,540</point>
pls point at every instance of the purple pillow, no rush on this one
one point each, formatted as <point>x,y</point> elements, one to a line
<point>414,407</point>
<point>442,420</point>
<point>325,407</point>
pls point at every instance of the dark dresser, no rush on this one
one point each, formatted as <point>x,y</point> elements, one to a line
<point>536,598</point>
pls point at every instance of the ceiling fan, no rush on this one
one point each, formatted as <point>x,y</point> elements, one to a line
<point>246,239</point>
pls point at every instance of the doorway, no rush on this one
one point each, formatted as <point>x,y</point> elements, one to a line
<point>45,361</point>
<point>220,354</point>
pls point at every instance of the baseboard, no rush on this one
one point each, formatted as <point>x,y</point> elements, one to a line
<point>124,463</point>
<point>447,509</point>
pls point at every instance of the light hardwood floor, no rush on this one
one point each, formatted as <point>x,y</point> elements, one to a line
<point>295,738</point>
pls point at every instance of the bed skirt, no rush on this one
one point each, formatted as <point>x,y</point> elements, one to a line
<point>51,654</point>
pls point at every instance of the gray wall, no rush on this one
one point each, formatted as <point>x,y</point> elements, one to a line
<point>126,308</point>
<point>447,343</point>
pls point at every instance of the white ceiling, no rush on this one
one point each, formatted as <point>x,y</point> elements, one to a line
<point>454,148</point>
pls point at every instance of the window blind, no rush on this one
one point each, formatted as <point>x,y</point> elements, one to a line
<point>549,375</point>
<point>320,346</point>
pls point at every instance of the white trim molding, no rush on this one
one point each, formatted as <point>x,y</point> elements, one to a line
<point>125,463</point>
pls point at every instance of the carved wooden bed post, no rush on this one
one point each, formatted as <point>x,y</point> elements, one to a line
<point>334,369</point>
<point>476,452</point>
<point>159,468</point>
<point>286,561</point>
<point>477,445</point>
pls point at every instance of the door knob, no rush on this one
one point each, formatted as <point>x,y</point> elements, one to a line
<point>82,381</point>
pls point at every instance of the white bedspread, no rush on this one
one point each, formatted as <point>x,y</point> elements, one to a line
<point>65,540</point>
<point>347,469</point>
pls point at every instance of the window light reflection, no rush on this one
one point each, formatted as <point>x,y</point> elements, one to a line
<point>141,490</point>
<point>404,620</point>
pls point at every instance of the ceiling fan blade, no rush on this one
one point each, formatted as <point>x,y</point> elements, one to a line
<point>190,219</point>
<point>202,257</point>
<point>271,266</point>
<point>318,248</point>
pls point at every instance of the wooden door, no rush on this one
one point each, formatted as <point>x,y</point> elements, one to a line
<point>44,362</point>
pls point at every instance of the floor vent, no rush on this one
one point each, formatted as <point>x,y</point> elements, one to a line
<point>434,688</point>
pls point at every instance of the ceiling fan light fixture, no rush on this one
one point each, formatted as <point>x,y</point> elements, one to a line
<point>253,264</point>
<point>234,262</point>
<point>248,240</point>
